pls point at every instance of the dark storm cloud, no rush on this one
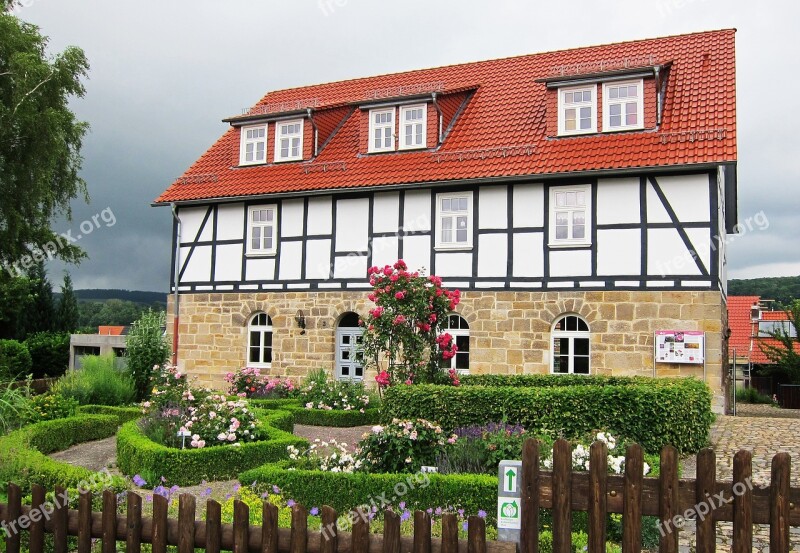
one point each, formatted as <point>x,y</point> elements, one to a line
<point>165,73</point>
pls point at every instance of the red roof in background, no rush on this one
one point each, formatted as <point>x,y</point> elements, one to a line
<point>111,330</point>
<point>744,332</point>
<point>508,110</point>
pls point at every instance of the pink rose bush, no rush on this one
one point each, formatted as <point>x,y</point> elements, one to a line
<point>249,382</point>
<point>403,338</point>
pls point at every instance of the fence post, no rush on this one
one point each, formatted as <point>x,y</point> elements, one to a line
<point>60,521</point>
<point>213,526</point>
<point>449,533</point>
<point>298,541</point>
<point>85,522</point>
<point>360,535</point>
<point>632,500</point>
<point>134,534</point>
<point>160,508</point>
<point>668,497</point>
<point>598,500</point>
<point>779,503</point>
<point>241,526</point>
<point>13,512</point>
<point>562,497</point>
<point>109,521</point>
<point>742,503</point>
<point>476,535</point>
<point>37,526</point>
<point>391,532</point>
<point>529,487</point>
<point>705,487</point>
<point>186,514</point>
<point>269,528</point>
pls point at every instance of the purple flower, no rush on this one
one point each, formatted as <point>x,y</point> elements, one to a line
<point>264,495</point>
<point>405,516</point>
<point>429,511</point>
<point>290,503</point>
<point>402,505</point>
<point>139,481</point>
<point>236,488</point>
<point>461,512</point>
<point>276,489</point>
<point>314,511</point>
<point>482,513</point>
<point>228,496</point>
<point>465,526</point>
<point>438,511</point>
<point>163,479</point>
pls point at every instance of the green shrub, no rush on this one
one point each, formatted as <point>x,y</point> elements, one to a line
<point>653,413</point>
<point>320,417</point>
<point>320,392</point>
<point>15,360</point>
<point>15,406</point>
<point>345,491</point>
<point>49,353</point>
<point>751,395</point>
<point>146,347</point>
<point>123,414</point>
<point>479,449</point>
<point>52,406</point>
<point>137,454</point>
<point>557,381</point>
<point>98,382</point>
<point>23,453</point>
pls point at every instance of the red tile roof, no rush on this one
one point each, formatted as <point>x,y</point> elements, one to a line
<point>111,330</point>
<point>744,332</point>
<point>508,110</point>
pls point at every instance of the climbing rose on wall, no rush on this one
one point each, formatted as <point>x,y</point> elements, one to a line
<point>403,338</point>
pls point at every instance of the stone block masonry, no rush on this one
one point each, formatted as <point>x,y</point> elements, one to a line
<point>509,331</point>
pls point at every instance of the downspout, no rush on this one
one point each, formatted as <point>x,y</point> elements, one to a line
<point>176,278</point>
<point>441,117</point>
<point>309,111</point>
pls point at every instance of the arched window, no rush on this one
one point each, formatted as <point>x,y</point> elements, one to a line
<point>570,346</point>
<point>458,328</point>
<point>259,344</point>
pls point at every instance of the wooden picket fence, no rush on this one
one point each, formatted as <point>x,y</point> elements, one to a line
<point>561,490</point>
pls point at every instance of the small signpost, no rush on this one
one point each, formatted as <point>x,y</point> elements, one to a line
<point>509,504</point>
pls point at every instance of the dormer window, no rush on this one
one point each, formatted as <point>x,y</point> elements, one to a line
<point>253,148</point>
<point>577,112</point>
<point>413,127</point>
<point>623,106</point>
<point>381,130</point>
<point>289,140</point>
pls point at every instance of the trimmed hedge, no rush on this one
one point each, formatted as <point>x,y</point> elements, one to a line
<point>652,412</point>
<point>23,453</point>
<point>557,380</point>
<point>319,417</point>
<point>138,454</point>
<point>343,492</point>
<point>123,414</point>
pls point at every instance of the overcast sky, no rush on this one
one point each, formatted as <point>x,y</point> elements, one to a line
<point>164,73</point>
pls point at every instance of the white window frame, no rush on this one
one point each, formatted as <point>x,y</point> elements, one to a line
<point>262,224</point>
<point>571,335</point>
<point>767,326</point>
<point>440,214</point>
<point>563,106</point>
<point>373,127</point>
<point>404,126</point>
<point>279,138</point>
<point>263,331</point>
<point>455,333</point>
<point>244,142</point>
<point>607,102</point>
<point>554,242</point>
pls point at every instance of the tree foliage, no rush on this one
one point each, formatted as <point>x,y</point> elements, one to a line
<point>41,315</point>
<point>785,353</point>
<point>780,289</point>
<point>67,307</point>
<point>40,142</point>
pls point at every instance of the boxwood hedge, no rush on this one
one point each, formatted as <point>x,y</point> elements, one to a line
<point>23,453</point>
<point>471,492</point>
<point>652,412</point>
<point>319,417</point>
<point>138,454</point>
<point>557,380</point>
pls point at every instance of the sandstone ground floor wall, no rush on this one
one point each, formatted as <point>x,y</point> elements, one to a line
<point>509,331</point>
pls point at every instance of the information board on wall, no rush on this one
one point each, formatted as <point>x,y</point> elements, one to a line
<point>680,346</point>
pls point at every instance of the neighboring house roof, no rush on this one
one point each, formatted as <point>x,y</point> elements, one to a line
<point>112,330</point>
<point>744,330</point>
<point>506,115</point>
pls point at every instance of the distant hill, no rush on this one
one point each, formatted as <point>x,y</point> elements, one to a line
<point>135,296</point>
<point>781,289</point>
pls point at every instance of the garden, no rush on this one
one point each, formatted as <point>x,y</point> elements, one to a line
<point>426,438</point>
